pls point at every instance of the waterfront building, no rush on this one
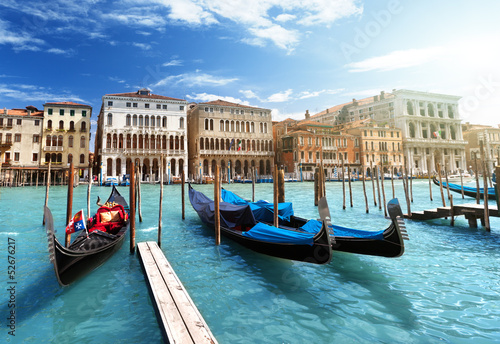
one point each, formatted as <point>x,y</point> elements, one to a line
<point>20,141</point>
<point>145,128</point>
<point>430,125</point>
<point>230,135</point>
<point>66,136</point>
<point>474,134</point>
<point>379,145</point>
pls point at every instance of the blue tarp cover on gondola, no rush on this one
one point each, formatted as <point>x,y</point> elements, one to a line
<point>491,191</point>
<point>267,233</point>
<point>262,210</point>
<point>313,226</point>
<point>231,215</point>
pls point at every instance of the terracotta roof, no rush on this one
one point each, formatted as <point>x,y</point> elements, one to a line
<point>66,104</point>
<point>146,96</point>
<point>314,123</point>
<point>23,112</point>
<point>220,102</point>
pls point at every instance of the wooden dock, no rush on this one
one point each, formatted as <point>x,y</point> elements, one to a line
<point>177,315</point>
<point>472,212</point>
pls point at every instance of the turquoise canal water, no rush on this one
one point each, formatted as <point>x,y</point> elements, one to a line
<point>444,289</point>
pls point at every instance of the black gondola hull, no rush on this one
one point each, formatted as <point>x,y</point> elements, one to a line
<point>469,193</point>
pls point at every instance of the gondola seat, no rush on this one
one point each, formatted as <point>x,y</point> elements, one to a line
<point>109,220</point>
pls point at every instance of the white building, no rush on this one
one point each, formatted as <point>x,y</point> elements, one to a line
<point>430,125</point>
<point>144,128</point>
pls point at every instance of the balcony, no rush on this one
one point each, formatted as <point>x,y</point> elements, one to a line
<point>235,153</point>
<point>53,149</point>
<point>144,151</point>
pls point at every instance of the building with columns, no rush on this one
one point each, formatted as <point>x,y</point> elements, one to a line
<point>474,134</point>
<point>236,137</point>
<point>429,122</point>
<point>66,135</point>
<point>144,128</point>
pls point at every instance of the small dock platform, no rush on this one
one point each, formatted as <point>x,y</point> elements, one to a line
<point>472,212</point>
<point>177,315</point>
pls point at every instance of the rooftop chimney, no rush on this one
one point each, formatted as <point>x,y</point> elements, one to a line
<point>354,102</point>
<point>307,114</point>
<point>382,95</point>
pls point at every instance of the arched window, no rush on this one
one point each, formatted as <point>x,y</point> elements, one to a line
<point>146,121</point>
<point>412,130</point>
<point>450,112</point>
<point>252,126</point>
<point>128,120</point>
<point>227,125</point>
<point>110,119</point>
<point>70,158</point>
<point>83,126</point>
<point>153,121</point>
<point>181,123</point>
<point>129,141</point>
<point>237,126</point>
<point>141,121</point>
<point>115,141</point>
<point>49,124</point>
<point>71,125</point>
<point>202,144</point>
<point>164,122</point>
<point>82,142</point>
<point>61,125</point>
<point>221,125</point>
<point>409,108</point>
<point>54,141</point>
<point>108,141</point>
<point>60,140</point>
<point>48,141</point>
<point>206,123</point>
<point>452,133</point>
<point>134,120</point>
<point>177,142</point>
<point>182,142</point>
<point>47,157</point>
<point>232,126</point>
<point>70,141</point>
<point>59,157</point>
<point>82,158</point>
<point>430,110</point>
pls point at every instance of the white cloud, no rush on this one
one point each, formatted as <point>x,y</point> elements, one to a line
<point>284,17</point>
<point>281,37</point>
<point>307,94</point>
<point>19,40</point>
<point>250,94</point>
<point>172,63</point>
<point>24,92</point>
<point>195,79</point>
<point>205,97</point>
<point>143,46</point>
<point>280,97</point>
<point>397,60</point>
<point>58,51</point>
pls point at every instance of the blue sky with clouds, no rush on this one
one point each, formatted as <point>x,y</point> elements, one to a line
<point>289,56</point>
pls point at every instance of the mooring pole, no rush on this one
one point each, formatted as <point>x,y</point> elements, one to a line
<point>343,183</point>
<point>373,183</point>
<point>477,179</point>
<point>183,181</point>
<point>89,188</point>
<point>161,201</point>
<point>217,205</point>
<point>383,195</point>
<point>275,196</point>
<point>462,183</point>
<point>429,177</point>
<point>378,187</point>
<point>47,191</point>
<point>253,183</point>
<point>485,203</point>
<point>132,187</point>
<point>69,205</point>
<point>350,188</point>
<point>441,184</point>
<point>364,189</point>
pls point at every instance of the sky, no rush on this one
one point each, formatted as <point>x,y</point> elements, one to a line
<point>288,55</point>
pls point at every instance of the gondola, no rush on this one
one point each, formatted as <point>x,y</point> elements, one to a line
<point>238,224</point>
<point>388,242</point>
<point>468,191</point>
<point>105,236</point>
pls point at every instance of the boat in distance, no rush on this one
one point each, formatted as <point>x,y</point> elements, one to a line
<point>388,242</point>
<point>238,224</point>
<point>105,236</point>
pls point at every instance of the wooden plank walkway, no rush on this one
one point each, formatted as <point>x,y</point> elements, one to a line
<point>177,315</point>
<point>472,212</point>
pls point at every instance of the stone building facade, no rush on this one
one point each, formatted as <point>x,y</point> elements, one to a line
<point>145,128</point>
<point>474,134</point>
<point>236,137</point>
<point>66,135</point>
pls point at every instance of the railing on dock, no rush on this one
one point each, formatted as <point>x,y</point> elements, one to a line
<point>178,317</point>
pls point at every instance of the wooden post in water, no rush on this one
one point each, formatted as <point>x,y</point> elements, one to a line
<point>132,187</point>
<point>350,188</point>
<point>88,189</point>
<point>183,181</point>
<point>373,182</point>
<point>411,184</point>
<point>407,196</point>
<point>47,190</point>
<point>343,183</point>
<point>447,183</point>
<point>462,183</point>
<point>392,182</point>
<point>281,186</point>
<point>139,203</point>
<point>441,184</point>
<point>275,196</point>
<point>253,183</point>
<point>497,175</point>
<point>217,205</point>
<point>383,195</point>
<point>161,201</point>
<point>429,177</point>
<point>485,188</point>
<point>69,205</point>
<point>378,187</point>
<point>477,179</point>
<point>364,190</point>
<point>452,212</point>
<point>316,186</point>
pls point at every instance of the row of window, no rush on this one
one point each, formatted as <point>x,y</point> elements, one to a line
<point>235,126</point>
<point>235,111</point>
<point>382,146</point>
<point>57,158</point>
<point>58,141</point>
<point>326,142</point>
<point>430,110</point>
<point>62,112</point>
<point>236,145</point>
<point>381,133</point>
<point>83,125</point>
<point>19,121</point>
<point>145,141</point>
<point>433,132</point>
<point>145,121</point>
<point>146,105</point>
